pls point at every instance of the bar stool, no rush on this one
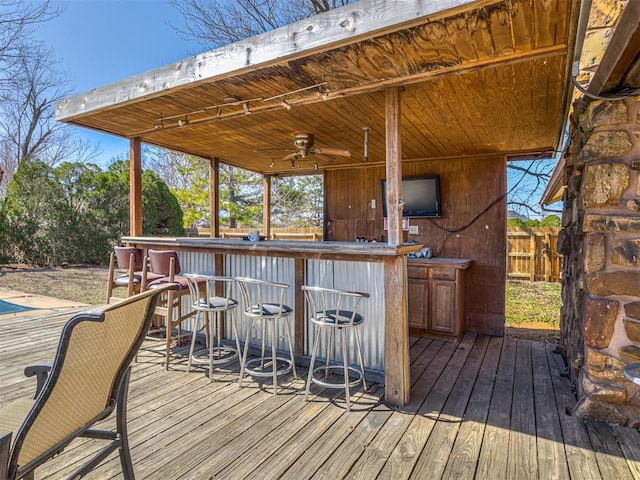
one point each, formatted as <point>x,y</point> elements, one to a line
<point>213,307</point>
<point>166,263</point>
<point>330,310</point>
<point>131,260</point>
<point>256,307</point>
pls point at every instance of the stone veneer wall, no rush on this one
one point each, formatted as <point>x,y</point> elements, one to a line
<point>600,318</point>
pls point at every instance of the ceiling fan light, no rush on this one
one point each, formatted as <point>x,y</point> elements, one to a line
<point>286,105</point>
<point>246,108</point>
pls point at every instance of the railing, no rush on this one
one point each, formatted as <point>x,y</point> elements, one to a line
<point>305,234</point>
<point>532,254</point>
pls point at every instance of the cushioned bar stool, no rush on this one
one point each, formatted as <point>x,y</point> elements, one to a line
<point>216,301</point>
<point>131,260</point>
<point>330,310</point>
<point>256,306</point>
<point>167,264</point>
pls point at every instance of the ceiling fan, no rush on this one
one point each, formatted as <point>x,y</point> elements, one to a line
<point>303,142</point>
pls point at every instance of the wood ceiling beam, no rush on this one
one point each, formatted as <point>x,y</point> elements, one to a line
<point>333,29</point>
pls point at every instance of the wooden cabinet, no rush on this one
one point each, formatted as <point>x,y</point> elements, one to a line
<point>436,297</point>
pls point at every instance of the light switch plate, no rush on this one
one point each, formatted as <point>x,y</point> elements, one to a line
<point>413,230</point>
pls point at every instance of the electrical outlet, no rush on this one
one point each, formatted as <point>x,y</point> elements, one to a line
<point>413,230</point>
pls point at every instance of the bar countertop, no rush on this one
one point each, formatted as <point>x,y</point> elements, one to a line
<point>281,248</point>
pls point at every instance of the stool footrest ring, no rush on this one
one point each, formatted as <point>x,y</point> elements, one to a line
<point>263,372</point>
<point>224,355</point>
<point>338,369</point>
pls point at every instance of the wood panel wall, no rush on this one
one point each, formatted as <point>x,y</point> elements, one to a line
<point>468,187</point>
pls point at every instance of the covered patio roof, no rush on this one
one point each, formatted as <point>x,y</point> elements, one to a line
<point>477,78</point>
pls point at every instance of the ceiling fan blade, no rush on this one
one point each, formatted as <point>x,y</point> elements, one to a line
<point>291,156</point>
<point>323,158</point>
<point>338,152</point>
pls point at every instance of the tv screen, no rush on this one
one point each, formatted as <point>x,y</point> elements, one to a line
<point>421,196</point>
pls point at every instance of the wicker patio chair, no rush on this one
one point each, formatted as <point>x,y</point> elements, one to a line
<point>88,380</point>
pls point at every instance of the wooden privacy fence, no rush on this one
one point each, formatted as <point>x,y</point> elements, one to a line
<point>309,234</point>
<point>532,254</point>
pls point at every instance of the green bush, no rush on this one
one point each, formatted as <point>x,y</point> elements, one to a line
<point>75,213</point>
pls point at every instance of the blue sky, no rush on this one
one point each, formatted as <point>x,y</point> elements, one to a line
<point>102,41</point>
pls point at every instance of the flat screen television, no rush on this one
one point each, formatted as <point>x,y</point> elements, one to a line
<point>421,196</point>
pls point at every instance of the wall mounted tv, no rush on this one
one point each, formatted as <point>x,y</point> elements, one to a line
<point>421,196</point>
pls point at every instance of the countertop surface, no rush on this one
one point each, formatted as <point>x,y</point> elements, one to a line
<point>229,246</point>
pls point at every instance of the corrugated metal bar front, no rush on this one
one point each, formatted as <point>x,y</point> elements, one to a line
<point>272,269</point>
<point>352,276</point>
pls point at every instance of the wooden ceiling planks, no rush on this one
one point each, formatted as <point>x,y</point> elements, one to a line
<point>487,77</point>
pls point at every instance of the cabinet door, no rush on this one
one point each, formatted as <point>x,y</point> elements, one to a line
<point>443,303</point>
<point>418,302</point>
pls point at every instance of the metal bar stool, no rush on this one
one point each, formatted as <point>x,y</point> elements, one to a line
<point>331,309</point>
<point>256,307</point>
<point>213,306</point>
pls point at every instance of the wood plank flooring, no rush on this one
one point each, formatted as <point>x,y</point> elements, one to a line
<point>487,408</point>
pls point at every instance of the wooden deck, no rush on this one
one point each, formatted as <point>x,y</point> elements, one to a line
<point>487,408</point>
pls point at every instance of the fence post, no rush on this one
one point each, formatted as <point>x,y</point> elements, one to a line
<point>532,248</point>
<point>547,257</point>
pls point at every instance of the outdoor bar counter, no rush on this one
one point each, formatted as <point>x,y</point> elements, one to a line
<point>376,268</point>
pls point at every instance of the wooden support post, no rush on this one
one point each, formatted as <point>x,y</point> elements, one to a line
<point>266,208</point>
<point>397,381</point>
<point>214,198</point>
<point>394,166</point>
<point>135,187</point>
<point>300,276</point>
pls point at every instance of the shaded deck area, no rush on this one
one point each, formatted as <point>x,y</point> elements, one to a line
<point>487,408</point>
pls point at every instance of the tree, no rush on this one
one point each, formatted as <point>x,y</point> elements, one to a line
<point>18,19</point>
<point>74,213</point>
<point>241,197</point>
<point>28,128</point>
<point>214,23</point>
<point>527,183</point>
<point>187,177</point>
<point>297,201</point>
<point>26,80</point>
<point>48,216</point>
<point>551,221</point>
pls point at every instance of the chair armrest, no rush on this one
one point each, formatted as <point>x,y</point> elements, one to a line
<point>41,372</point>
<point>5,450</point>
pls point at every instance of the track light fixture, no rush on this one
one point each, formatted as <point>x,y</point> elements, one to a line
<point>285,104</point>
<point>231,103</point>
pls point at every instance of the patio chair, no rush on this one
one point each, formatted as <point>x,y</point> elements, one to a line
<point>131,260</point>
<point>88,380</point>
<point>167,264</point>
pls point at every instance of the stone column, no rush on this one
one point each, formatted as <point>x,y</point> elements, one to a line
<point>600,317</point>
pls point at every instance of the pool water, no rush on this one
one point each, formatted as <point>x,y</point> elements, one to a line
<point>8,307</point>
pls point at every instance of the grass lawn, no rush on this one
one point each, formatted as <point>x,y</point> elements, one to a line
<point>533,303</point>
